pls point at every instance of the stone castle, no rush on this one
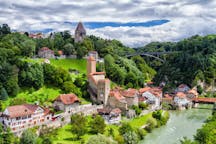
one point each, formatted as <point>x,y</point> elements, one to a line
<point>101,93</point>
<point>99,86</point>
<point>80,33</point>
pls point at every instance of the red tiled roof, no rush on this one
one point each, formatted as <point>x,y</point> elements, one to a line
<point>129,92</point>
<point>193,91</point>
<point>142,90</point>
<point>154,90</point>
<point>46,49</point>
<point>21,110</point>
<point>46,111</point>
<point>181,95</point>
<point>117,95</point>
<point>67,98</point>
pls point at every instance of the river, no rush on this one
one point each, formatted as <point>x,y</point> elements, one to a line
<point>181,123</point>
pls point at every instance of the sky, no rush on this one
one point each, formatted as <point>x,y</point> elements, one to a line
<point>134,22</point>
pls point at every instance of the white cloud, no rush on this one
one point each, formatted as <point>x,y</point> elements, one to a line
<point>186,17</point>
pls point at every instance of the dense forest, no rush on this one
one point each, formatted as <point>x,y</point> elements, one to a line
<point>192,61</point>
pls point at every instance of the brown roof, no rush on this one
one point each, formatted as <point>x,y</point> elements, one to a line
<point>193,91</point>
<point>46,49</point>
<point>129,92</point>
<point>115,93</point>
<point>153,90</point>
<point>181,95</point>
<point>67,98</point>
<point>21,110</point>
<point>142,90</point>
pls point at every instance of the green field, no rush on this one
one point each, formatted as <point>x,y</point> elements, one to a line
<point>45,95</point>
<point>78,64</point>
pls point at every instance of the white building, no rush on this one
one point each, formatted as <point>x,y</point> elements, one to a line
<point>21,117</point>
<point>152,96</point>
<point>111,116</point>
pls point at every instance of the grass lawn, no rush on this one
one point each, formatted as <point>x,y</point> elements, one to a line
<point>44,95</point>
<point>140,121</point>
<point>78,64</point>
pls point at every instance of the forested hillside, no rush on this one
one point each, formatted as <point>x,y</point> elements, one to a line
<point>19,70</point>
<point>192,63</point>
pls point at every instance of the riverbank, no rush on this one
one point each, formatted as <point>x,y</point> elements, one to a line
<point>181,123</point>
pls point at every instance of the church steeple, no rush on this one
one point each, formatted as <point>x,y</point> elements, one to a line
<point>80,32</point>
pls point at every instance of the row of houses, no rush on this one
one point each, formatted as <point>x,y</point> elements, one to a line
<point>21,117</point>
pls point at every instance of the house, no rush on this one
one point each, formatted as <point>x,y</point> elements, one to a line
<point>45,52</point>
<point>66,102</point>
<point>116,100</point>
<point>192,93</point>
<point>152,96</point>
<point>131,96</point>
<point>181,101</point>
<point>80,33</point>
<point>36,36</point>
<point>21,117</point>
<point>182,88</point>
<point>111,116</point>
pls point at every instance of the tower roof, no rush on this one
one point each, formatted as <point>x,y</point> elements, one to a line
<point>80,27</point>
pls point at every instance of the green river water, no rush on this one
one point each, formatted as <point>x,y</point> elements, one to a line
<point>181,123</point>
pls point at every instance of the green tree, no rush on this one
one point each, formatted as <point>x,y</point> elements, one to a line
<point>97,125</point>
<point>58,41</point>
<point>17,101</point>
<point>1,105</point>
<point>68,87</point>
<point>28,48</point>
<point>124,128</point>
<point>185,140</point>
<point>81,51</point>
<point>69,49</point>
<point>151,124</point>
<point>100,139</point>
<point>7,136</point>
<point>46,140</point>
<point>131,137</point>
<point>4,95</point>
<point>28,137</point>
<point>79,125</point>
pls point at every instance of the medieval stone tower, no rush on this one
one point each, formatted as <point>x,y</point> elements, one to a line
<point>91,65</point>
<point>99,86</point>
<point>80,32</point>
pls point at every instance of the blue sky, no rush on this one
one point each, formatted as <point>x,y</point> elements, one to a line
<point>133,22</point>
